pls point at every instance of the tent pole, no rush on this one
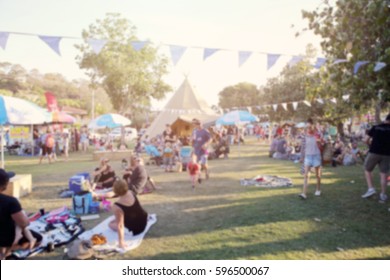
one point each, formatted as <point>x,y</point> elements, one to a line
<point>2,146</point>
<point>32,138</point>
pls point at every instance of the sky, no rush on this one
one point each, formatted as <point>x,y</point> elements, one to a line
<point>259,26</point>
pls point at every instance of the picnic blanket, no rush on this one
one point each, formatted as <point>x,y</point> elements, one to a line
<point>132,241</point>
<point>57,227</point>
<point>267,181</point>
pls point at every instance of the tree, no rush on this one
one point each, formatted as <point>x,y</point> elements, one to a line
<point>12,77</point>
<point>358,30</point>
<point>130,77</point>
<point>240,95</point>
<point>295,83</point>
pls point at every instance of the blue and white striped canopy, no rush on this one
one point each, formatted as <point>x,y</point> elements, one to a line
<point>236,117</point>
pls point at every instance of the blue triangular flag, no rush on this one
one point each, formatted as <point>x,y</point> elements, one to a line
<point>271,60</point>
<point>96,44</point>
<point>176,53</point>
<point>53,42</point>
<point>242,57</point>
<point>358,65</point>
<point>207,52</point>
<point>3,39</point>
<point>379,65</point>
<point>319,62</point>
<point>138,45</point>
<point>294,60</point>
<point>340,60</point>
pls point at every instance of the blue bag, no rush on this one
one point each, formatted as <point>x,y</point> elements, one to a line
<point>81,202</point>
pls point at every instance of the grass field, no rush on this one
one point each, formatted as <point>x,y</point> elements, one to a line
<point>224,220</point>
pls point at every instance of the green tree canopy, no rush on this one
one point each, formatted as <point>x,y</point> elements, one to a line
<point>240,95</point>
<point>130,77</point>
<point>356,30</point>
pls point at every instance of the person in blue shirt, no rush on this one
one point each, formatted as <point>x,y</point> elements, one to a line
<point>201,140</point>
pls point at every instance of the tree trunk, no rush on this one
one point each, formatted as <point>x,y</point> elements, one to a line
<point>340,129</point>
<point>378,112</point>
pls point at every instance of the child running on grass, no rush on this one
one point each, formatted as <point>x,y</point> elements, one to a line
<point>194,170</point>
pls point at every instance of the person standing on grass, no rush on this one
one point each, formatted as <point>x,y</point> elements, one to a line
<point>201,140</point>
<point>378,154</point>
<point>311,157</point>
<point>194,170</point>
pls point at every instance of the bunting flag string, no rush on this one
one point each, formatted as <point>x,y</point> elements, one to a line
<point>294,104</point>
<point>177,51</point>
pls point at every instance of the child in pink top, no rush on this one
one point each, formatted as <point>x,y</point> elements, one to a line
<point>194,170</point>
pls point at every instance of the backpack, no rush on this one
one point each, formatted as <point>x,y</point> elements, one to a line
<point>81,202</point>
<point>50,141</point>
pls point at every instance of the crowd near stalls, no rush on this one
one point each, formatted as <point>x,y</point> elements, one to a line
<point>286,144</point>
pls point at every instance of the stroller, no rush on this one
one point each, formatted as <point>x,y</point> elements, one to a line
<point>154,154</point>
<point>185,156</point>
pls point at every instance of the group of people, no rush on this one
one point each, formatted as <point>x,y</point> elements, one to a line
<point>378,154</point>
<point>128,212</point>
<point>130,215</point>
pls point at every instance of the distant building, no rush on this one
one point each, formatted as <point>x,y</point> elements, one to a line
<point>80,114</point>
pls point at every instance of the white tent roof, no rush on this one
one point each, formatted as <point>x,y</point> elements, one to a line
<point>183,102</point>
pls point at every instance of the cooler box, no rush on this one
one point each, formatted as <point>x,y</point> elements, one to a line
<point>78,181</point>
<point>85,175</point>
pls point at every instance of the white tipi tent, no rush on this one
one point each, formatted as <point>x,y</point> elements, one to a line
<point>183,102</point>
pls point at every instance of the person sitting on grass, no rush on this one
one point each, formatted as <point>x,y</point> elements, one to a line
<point>14,233</point>
<point>135,176</point>
<point>104,175</point>
<point>128,213</point>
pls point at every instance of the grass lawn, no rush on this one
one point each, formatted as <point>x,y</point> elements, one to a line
<point>224,220</point>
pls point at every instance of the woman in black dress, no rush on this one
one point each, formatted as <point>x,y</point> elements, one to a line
<point>128,213</point>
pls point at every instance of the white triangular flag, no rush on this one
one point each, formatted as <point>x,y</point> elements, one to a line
<point>295,105</point>
<point>284,105</point>
<point>307,103</point>
<point>275,106</point>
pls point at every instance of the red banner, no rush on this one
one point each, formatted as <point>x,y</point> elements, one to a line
<point>51,102</point>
